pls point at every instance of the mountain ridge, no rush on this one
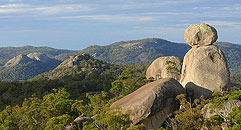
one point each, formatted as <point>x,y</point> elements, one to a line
<point>147,50</point>
<point>124,53</point>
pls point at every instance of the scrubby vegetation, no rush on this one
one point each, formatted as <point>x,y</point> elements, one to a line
<point>52,100</point>
<point>54,104</point>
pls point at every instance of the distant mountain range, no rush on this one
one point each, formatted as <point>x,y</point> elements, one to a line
<point>29,62</point>
<point>7,53</point>
<point>22,63</point>
<point>147,50</point>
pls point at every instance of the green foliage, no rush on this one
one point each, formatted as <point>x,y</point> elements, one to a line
<point>172,67</point>
<point>127,83</point>
<point>220,98</point>
<point>214,122</point>
<point>54,111</point>
<point>189,116</point>
<point>112,120</point>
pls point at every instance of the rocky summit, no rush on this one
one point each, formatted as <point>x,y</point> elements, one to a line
<point>39,57</point>
<point>74,60</point>
<point>200,35</point>
<point>20,59</point>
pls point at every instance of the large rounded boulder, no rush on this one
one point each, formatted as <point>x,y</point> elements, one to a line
<point>152,102</point>
<point>165,67</point>
<point>205,71</point>
<point>200,35</point>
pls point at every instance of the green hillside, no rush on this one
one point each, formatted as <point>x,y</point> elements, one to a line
<point>147,50</point>
<point>137,51</point>
<point>77,64</point>
<point>23,67</point>
<point>6,53</point>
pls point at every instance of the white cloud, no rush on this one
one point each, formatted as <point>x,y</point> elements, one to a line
<point>54,9</point>
<point>64,8</point>
<point>235,7</point>
<point>222,23</point>
<point>13,6</point>
<point>113,18</point>
<point>11,0</point>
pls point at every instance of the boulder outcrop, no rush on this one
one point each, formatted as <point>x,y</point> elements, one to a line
<point>39,57</point>
<point>20,59</point>
<point>205,71</point>
<point>152,102</point>
<point>74,60</point>
<point>200,35</point>
<point>165,67</point>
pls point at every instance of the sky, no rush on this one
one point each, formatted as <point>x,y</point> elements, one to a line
<point>77,24</point>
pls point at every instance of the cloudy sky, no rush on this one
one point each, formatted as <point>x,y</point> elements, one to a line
<point>77,24</point>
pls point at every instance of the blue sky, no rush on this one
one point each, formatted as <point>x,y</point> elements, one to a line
<point>77,24</point>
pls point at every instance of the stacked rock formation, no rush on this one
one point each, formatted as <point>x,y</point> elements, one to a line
<point>165,67</point>
<point>152,102</point>
<point>204,70</point>
<point>204,67</point>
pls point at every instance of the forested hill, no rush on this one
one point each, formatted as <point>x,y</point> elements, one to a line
<point>22,63</point>
<point>137,51</point>
<point>6,53</point>
<point>147,50</point>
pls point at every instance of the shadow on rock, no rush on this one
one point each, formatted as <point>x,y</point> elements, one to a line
<point>194,91</point>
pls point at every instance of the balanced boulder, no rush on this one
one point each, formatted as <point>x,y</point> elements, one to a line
<point>152,102</point>
<point>205,71</point>
<point>200,35</point>
<point>165,67</point>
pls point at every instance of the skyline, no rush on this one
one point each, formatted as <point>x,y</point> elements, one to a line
<point>71,24</point>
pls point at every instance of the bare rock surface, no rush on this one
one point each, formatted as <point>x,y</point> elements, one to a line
<point>152,102</point>
<point>20,59</point>
<point>165,67</point>
<point>205,71</point>
<point>73,60</point>
<point>39,57</point>
<point>200,35</point>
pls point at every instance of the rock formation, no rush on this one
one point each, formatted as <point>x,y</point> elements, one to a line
<point>165,67</point>
<point>204,67</point>
<point>20,59</point>
<point>39,57</point>
<point>152,102</point>
<point>73,60</point>
<point>200,35</point>
<point>31,57</point>
<point>81,119</point>
<point>80,122</point>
